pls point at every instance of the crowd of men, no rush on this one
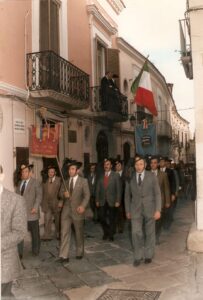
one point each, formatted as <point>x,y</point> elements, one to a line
<point>144,192</point>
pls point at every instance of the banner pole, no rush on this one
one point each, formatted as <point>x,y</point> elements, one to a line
<point>61,174</point>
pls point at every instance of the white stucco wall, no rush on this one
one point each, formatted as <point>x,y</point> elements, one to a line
<point>196,22</point>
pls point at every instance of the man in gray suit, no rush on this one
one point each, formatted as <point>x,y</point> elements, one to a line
<point>108,198</point>
<point>75,200</point>
<point>143,207</point>
<point>31,190</point>
<point>50,203</point>
<point>13,230</point>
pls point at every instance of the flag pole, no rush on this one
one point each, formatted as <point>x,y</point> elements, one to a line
<point>62,177</point>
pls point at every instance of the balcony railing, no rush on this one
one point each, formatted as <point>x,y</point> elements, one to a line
<point>48,74</point>
<point>164,129</point>
<point>113,108</point>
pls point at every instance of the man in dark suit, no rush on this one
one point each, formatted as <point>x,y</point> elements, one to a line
<point>172,183</point>
<point>50,203</point>
<point>108,93</point>
<point>92,181</point>
<point>31,190</point>
<point>75,200</point>
<point>108,198</point>
<point>165,193</point>
<point>143,207</point>
<point>120,220</point>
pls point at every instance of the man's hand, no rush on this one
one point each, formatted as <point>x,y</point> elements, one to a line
<point>173,198</point>
<point>157,215</point>
<point>80,210</point>
<point>97,204</point>
<point>33,211</point>
<point>167,205</point>
<point>117,204</point>
<point>66,194</point>
<point>128,216</point>
<point>60,205</point>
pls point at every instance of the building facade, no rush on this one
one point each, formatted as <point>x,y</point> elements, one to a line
<point>51,68</point>
<point>192,60</point>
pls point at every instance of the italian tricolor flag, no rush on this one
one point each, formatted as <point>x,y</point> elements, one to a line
<point>141,88</point>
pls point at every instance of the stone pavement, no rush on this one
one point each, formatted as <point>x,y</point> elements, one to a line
<point>175,272</point>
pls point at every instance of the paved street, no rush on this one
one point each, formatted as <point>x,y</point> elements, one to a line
<point>177,274</point>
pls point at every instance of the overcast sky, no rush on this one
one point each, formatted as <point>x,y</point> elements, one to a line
<point>152,28</point>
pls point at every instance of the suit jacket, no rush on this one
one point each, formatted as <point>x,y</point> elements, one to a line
<point>164,187</point>
<point>80,197</point>
<point>55,193</point>
<point>172,180</point>
<point>33,198</point>
<point>112,193</point>
<point>144,199</point>
<point>92,187</point>
<point>13,231</point>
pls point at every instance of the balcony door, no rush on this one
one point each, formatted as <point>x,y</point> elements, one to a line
<point>49,74</point>
<point>49,25</point>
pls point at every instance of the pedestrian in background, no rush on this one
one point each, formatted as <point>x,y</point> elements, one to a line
<point>92,181</point>
<point>165,194</point>
<point>143,207</point>
<point>13,230</point>
<point>108,198</point>
<point>31,190</point>
<point>120,222</point>
<point>50,204</point>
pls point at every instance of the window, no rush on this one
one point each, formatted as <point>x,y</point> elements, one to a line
<point>72,136</point>
<point>49,25</point>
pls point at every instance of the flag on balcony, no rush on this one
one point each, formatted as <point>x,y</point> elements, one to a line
<point>44,140</point>
<point>141,88</point>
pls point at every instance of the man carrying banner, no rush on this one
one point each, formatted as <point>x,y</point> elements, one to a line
<point>75,201</point>
<point>143,207</point>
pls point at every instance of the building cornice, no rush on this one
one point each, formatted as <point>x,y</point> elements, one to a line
<point>117,5</point>
<point>11,90</point>
<point>93,10</point>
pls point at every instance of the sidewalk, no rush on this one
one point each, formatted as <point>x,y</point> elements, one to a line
<point>175,273</point>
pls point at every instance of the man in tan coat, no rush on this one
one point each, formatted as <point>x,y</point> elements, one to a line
<point>50,203</point>
<point>13,230</point>
<point>75,201</point>
<point>165,193</point>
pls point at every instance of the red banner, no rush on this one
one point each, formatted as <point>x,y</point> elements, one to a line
<point>44,141</point>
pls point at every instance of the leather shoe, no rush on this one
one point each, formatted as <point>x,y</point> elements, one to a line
<point>79,257</point>
<point>147,260</point>
<point>136,262</point>
<point>105,237</point>
<point>62,260</point>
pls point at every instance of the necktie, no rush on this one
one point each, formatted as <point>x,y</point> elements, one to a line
<point>71,186</point>
<point>23,188</point>
<point>139,179</point>
<point>106,180</point>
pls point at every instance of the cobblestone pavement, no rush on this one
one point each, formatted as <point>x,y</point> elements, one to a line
<point>175,272</point>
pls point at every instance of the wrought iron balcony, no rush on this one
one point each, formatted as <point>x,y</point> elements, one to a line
<point>113,109</point>
<point>164,129</point>
<point>56,81</point>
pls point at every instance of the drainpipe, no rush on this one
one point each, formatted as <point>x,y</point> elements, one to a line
<point>25,52</point>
